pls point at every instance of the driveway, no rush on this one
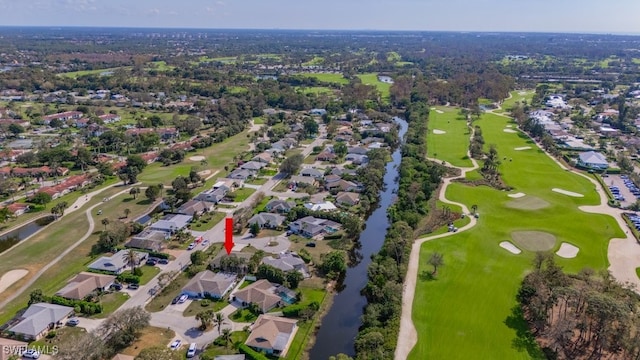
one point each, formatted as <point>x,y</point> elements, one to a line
<point>90,324</point>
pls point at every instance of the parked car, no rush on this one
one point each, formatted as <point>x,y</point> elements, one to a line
<point>74,321</point>
<point>31,354</point>
<point>175,300</point>
<point>133,286</point>
<point>163,261</point>
<point>192,350</point>
<point>116,286</point>
<point>152,261</point>
<point>311,244</point>
<point>191,246</point>
<point>182,299</point>
<point>175,345</point>
<point>205,243</point>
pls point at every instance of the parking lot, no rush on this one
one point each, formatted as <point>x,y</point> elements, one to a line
<point>622,189</point>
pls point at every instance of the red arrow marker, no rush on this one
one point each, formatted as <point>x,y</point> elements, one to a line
<point>228,235</point>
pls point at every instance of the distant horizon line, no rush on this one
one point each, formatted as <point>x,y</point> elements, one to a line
<point>53,27</point>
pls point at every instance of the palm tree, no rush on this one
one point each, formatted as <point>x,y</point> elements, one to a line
<point>226,336</point>
<point>105,222</point>
<point>436,261</point>
<point>134,192</point>
<point>130,258</point>
<point>205,317</point>
<point>474,208</point>
<point>127,212</point>
<point>218,320</point>
<point>5,214</point>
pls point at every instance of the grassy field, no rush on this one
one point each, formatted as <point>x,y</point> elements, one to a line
<point>372,79</point>
<point>217,156</point>
<point>110,303</point>
<point>44,247</point>
<point>317,90</point>
<point>327,77</point>
<point>77,74</point>
<point>317,60</point>
<point>469,304</point>
<point>517,96</point>
<point>451,146</point>
<point>196,307</point>
<point>150,337</point>
<point>208,221</point>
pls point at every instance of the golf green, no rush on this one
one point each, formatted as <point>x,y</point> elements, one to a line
<point>466,311</point>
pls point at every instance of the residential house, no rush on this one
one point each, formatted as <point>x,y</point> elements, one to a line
<point>63,116</point>
<point>593,160</point>
<point>18,209</point>
<point>230,184</point>
<point>357,159</point>
<point>253,166</point>
<point>318,112</point>
<point>310,226</point>
<point>241,174</point>
<point>287,261</point>
<point>357,150</point>
<point>149,240</point>
<point>116,263</point>
<point>323,206</point>
<point>213,195</point>
<point>312,172</point>
<point>39,319</point>
<point>299,180</point>
<point>84,284</point>
<point>168,133</point>
<point>263,157</point>
<point>209,284</point>
<point>280,206</point>
<point>196,207</point>
<point>110,118</point>
<point>172,223</point>
<point>261,293</point>
<point>272,334</point>
<point>267,220</point>
<point>21,144</point>
<point>241,256</point>
<point>342,185</point>
<point>348,198</point>
<point>150,157</point>
<point>326,156</point>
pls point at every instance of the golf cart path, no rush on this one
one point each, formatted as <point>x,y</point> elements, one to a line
<point>75,206</point>
<point>408,336</point>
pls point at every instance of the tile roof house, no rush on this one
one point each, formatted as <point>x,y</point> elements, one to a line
<point>193,207</point>
<point>326,156</point>
<point>323,206</point>
<point>297,180</point>
<point>240,174</point>
<point>287,261</point>
<point>172,223</point>
<point>357,159</point>
<point>272,334</point>
<point>150,240</point>
<point>18,209</point>
<point>593,160</point>
<point>348,198</point>
<point>213,195</point>
<point>267,220</point>
<point>39,319</point>
<point>263,157</point>
<point>209,284</point>
<point>280,206</point>
<point>253,166</point>
<point>342,185</point>
<point>261,293</point>
<point>116,263</point>
<point>310,226</point>
<point>110,118</point>
<point>85,283</point>
<point>312,172</point>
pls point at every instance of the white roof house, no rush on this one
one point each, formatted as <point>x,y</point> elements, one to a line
<point>593,160</point>
<point>323,206</point>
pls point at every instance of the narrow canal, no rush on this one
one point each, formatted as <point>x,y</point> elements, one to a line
<point>340,325</point>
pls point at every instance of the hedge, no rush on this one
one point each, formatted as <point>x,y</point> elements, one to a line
<point>159,255</point>
<point>251,354</point>
<point>85,307</point>
<point>128,278</point>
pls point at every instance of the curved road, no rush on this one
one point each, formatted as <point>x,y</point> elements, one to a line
<point>75,206</point>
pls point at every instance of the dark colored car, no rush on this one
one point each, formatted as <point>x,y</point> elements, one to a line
<point>163,261</point>
<point>116,286</point>
<point>133,286</point>
<point>152,261</point>
<point>175,300</point>
<point>311,244</point>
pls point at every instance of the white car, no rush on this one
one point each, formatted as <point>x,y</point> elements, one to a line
<point>31,354</point>
<point>191,246</point>
<point>175,345</point>
<point>182,299</point>
<point>192,350</point>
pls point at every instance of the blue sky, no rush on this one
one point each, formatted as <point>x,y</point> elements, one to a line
<point>615,16</point>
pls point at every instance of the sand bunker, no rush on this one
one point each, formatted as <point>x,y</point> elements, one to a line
<point>439,132</point>
<point>522,148</point>
<point>204,173</point>
<point>534,240</point>
<point>432,108</point>
<point>510,131</point>
<point>522,93</point>
<point>509,126</point>
<point>510,247</point>
<point>567,192</point>
<point>440,111</point>
<point>11,277</point>
<point>527,203</point>
<point>197,158</point>
<point>517,195</point>
<point>567,251</point>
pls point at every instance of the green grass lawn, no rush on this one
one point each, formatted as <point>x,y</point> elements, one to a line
<point>517,96</point>
<point>242,194</point>
<point>258,120</point>
<point>77,74</point>
<point>43,247</point>
<point>257,181</point>
<point>211,220</point>
<point>110,303</point>
<point>243,315</point>
<point>317,60</point>
<point>468,305</point>
<point>451,146</point>
<point>214,350</point>
<point>317,90</point>
<point>196,307</point>
<point>372,79</point>
<point>163,299</point>
<point>63,335</point>
<point>327,77</point>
